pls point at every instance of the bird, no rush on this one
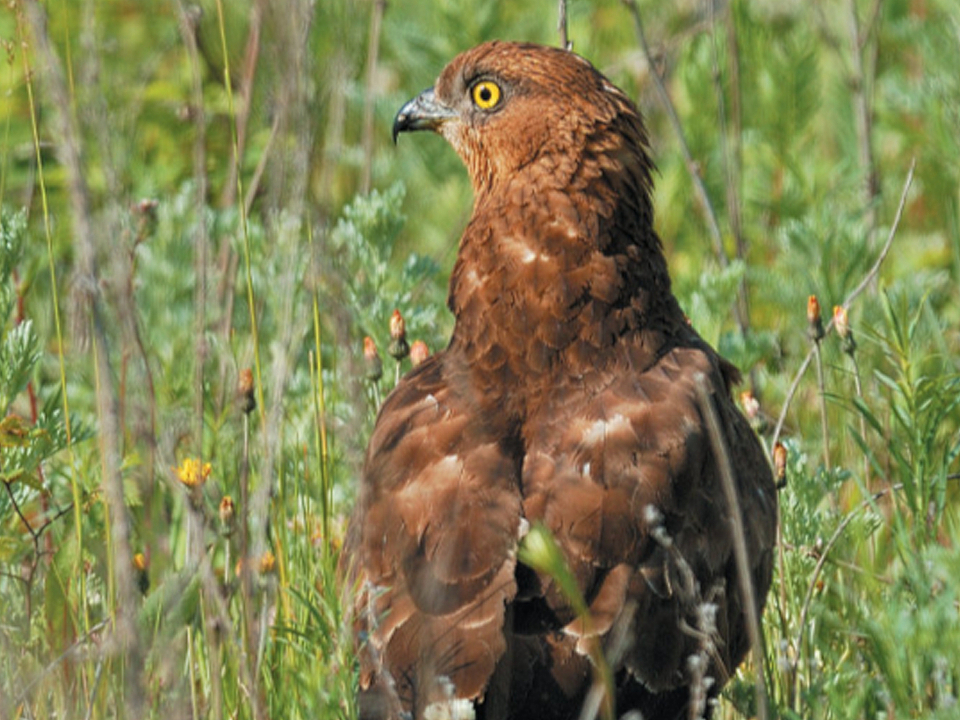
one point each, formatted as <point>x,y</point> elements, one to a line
<point>567,402</point>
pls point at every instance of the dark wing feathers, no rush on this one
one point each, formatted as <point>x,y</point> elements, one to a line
<point>568,396</point>
<point>434,581</point>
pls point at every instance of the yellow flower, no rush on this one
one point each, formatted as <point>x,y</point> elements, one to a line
<point>267,562</point>
<point>191,473</point>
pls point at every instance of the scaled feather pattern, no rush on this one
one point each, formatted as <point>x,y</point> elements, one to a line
<point>567,397</point>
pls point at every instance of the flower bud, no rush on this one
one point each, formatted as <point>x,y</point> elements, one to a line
<point>245,393</point>
<point>140,573</point>
<point>399,348</point>
<point>372,365</point>
<point>780,463</point>
<point>751,408</point>
<point>814,320</point>
<point>227,512</point>
<point>842,323</point>
<point>419,352</point>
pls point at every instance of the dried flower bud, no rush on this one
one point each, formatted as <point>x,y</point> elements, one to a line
<point>245,387</point>
<point>227,512</point>
<point>148,207</point>
<point>813,318</point>
<point>140,573</point>
<point>751,406</point>
<point>372,365</point>
<point>842,323</point>
<point>780,463</point>
<point>399,348</point>
<point>840,320</point>
<point>419,352</point>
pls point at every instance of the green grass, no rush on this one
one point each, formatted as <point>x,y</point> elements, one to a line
<point>183,211</point>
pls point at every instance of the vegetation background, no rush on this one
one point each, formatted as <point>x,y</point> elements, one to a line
<point>203,217</point>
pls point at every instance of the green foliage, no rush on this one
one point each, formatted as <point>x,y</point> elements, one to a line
<point>373,285</point>
<point>922,428</point>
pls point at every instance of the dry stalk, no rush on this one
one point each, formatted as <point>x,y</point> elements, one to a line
<point>87,283</point>
<point>744,578</point>
<point>565,42</point>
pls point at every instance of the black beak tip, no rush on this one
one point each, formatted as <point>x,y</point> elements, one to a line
<point>423,112</point>
<point>399,125</point>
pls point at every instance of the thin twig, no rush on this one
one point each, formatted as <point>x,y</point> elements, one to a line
<point>744,578</point>
<point>867,279</point>
<point>248,71</point>
<point>188,31</point>
<point>713,225</point>
<point>373,53</point>
<point>562,25</point>
<point>730,140</point>
<point>822,392</point>
<point>858,386</point>
<point>861,102</point>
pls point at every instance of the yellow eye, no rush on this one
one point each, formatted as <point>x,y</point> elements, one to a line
<point>486,94</point>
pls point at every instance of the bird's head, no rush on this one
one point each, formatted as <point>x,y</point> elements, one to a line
<point>504,106</point>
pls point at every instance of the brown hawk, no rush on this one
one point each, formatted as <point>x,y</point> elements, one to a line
<point>568,397</point>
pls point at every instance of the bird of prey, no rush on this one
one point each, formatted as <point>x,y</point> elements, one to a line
<point>567,398</point>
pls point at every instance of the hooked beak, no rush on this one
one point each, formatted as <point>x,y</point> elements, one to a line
<point>424,112</point>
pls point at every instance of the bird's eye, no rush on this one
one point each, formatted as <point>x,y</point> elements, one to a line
<point>486,94</point>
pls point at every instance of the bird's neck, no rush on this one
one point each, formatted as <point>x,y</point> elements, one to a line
<point>550,278</point>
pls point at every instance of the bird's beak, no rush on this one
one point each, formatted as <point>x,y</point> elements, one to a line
<point>424,112</point>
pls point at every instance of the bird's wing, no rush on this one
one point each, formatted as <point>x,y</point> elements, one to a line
<point>434,541</point>
<point>621,471</point>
